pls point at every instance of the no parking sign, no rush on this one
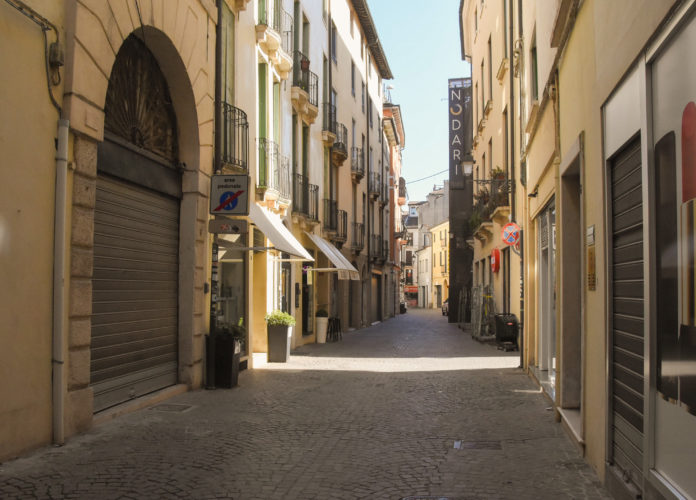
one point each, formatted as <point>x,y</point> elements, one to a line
<point>229,195</point>
<point>511,234</point>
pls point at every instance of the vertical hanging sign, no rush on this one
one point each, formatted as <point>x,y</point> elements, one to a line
<point>459,98</point>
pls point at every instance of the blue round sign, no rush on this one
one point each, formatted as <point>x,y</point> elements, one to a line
<point>226,203</point>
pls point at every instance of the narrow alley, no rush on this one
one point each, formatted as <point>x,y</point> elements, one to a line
<point>408,408</point>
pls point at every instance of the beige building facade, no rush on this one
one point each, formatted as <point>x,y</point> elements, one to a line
<point>116,126</point>
<point>440,263</point>
<point>605,120</point>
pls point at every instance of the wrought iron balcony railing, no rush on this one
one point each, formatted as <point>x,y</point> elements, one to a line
<point>274,169</point>
<point>402,187</point>
<point>357,163</point>
<point>269,160</point>
<point>235,137</point>
<point>342,227</point>
<point>330,215</point>
<point>341,143</point>
<point>305,198</point>
<point>305,79</point>
<point>489,194</point>
<point>358,236</point>
<point>374,184</point>
<point>375,246</point>
<point>384,197</point>
<point>385,250</point>
<point>329,121</point>
<point>286,38</point>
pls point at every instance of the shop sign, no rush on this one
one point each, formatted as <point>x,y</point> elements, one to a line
<point>495,260</point>
<point>227,226</point>
<point>229,195</point>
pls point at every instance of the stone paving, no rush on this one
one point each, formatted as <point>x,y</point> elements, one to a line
<point>411,407</point>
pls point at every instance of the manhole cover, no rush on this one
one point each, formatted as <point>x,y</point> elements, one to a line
<point>477,445</point>
<point>424,498</point>
<point>172,408</point>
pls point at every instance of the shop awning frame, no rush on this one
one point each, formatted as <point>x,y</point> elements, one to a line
<point>343,267</point>
<point>279,235</point>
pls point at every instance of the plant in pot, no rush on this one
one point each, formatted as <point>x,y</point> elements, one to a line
<point>279,329</point>
<point>322,325</point>
<point>498,174</point>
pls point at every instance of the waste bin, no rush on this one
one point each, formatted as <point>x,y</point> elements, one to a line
<point>506,327</point>
<point>223,352</point>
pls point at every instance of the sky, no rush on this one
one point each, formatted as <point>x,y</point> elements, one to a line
<point>423,51</point>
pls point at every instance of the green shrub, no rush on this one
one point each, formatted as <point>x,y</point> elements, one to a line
<point>321,313</point>
<point>279,318</point>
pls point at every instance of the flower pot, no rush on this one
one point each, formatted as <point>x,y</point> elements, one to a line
<point>278,343</point>
<point>322,325</point>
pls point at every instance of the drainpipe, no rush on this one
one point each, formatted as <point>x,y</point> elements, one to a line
<point>218,89</point>
<point>58,360</point>
<point>511,41</point>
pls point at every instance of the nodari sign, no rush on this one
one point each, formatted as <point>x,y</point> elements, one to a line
<point>229,195</point>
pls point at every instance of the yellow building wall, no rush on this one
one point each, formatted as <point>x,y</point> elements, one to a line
<point>27,132</point>
<point>588,73</point>
<point>440,272</point>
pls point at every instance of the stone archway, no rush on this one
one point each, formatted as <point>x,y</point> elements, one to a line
<point>179,49</point>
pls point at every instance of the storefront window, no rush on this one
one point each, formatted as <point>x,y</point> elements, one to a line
<point>232,298</point>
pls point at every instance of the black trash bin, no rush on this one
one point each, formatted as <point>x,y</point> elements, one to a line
<point>506,328</point>
<point>223,352</point>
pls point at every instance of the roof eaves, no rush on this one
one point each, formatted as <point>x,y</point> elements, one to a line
<point>368,26</point>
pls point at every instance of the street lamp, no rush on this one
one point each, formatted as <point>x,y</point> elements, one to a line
<point>467,164</point>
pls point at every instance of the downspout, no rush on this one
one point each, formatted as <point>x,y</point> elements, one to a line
<point>513,213</point>
<point>366,153</point>
<point>218,89</point>
<point>58,360</point>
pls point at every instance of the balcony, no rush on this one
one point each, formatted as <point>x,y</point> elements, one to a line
<point>305,89</point>
<point>375,247</point>
<point>235,138</point>
<point>329,125</point>
<point>305,199</point>
<point>384,197</point>
<point>341,229</point>
<point>374,185</point>
<point>357,242</point>
<point>402,191</point>
<point>491,203</point>
<point>268,28</point>
<point>339,152</point>
<point>330,216</point>
<point>385,250</point>
<point>357,164</point>
<point>273,185</point>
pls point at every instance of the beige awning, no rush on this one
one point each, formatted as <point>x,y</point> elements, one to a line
<point>279,235</point>
<point>344,268</point>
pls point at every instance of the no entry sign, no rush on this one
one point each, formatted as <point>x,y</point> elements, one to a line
<point>511,234</point>
<point>229,195</point>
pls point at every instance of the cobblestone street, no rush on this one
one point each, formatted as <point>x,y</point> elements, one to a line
<point>409,407</point>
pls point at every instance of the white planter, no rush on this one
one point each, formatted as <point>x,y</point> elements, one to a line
<point>322,325</point>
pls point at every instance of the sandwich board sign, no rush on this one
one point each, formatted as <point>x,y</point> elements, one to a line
<point>229,195</point>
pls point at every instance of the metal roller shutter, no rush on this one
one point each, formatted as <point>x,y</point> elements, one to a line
<point>627,352</point>
<point>135,292</point>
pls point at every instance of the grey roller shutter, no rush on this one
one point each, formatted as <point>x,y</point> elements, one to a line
<point>135,292</point>
<point>627,352</point>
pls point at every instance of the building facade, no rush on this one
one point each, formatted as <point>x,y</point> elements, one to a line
<point>440,263</point>
<point>145,106</point>
<point>605,130</point>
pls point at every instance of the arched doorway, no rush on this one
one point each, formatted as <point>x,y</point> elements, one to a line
<point>135,285</point>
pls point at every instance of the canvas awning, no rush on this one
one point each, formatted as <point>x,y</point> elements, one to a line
<point>344,268</point>
<point>279,235</point>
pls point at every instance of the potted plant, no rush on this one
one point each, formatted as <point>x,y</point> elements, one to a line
<point>322,325</point>
<point>279,330</point>
<point>498,174</point>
